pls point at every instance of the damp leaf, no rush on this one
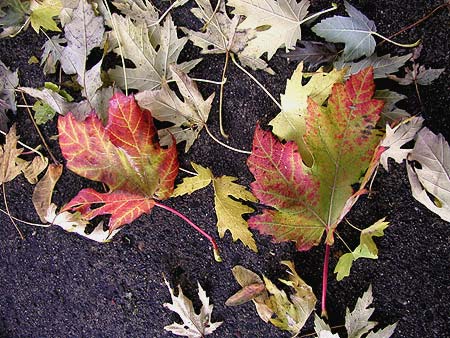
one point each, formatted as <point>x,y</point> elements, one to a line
<point>124,155</point>
<point>195,325</point>
<point>313,53</point>
<point>221,35</point>
<point>430,179</point>
<point>151,62</point>
<point>306,201</point>
<point>188,116</point>
<point>277,23</point>
<point>42,14</point>
<point>229,210</point>
<point>355,31</point>
<point>397,137</point>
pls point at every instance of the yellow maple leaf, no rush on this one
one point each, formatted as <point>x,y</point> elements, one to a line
<point>42,13</point>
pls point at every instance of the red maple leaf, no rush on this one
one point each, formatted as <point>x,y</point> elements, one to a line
<point>126,156</point>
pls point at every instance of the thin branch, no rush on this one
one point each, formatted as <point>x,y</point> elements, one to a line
<point>224,144</point>
<point>224,72</point>
<point>9,214</point>
<point>255,80</point>
<point>50,153</point>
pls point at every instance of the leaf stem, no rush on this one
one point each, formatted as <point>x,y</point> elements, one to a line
<point>334,6</point>
<point>50,153</point>
<point>418,21</point>
<point>196,227</point>
<point>207,81</point>
<point>410,45</point>
<point>325,280</point>
<point>224,144</point>
<point>9,213</point>
<point>188,171</point>
<point>216,9</point>
<point>222,131</point>
<point>24,145</point>
<point>354,227</point>
<point>22,221</point>
<point>255,80</point>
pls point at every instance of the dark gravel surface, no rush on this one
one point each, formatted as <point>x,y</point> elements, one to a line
<point>56,284</point>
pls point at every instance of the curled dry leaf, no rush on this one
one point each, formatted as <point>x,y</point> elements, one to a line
<point>432,178</point>
<point>34,168</point>
<point>42,194</point>
<point>194,325</point>
<point>397,137</point>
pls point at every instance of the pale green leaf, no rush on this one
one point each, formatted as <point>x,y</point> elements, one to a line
<point>42,14</point>
<point>346,261</point>
<point>355,31</point>
<point>375,230</point>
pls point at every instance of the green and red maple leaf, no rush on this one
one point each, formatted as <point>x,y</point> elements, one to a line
<point>342,138</point>
<point>125,155</point>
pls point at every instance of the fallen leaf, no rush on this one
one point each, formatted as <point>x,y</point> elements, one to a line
<point>418,74</point>
<point>188,116</point>
<point>8,82</point>
<point>43,112</point>
<point>290,312</point>
<point>124,155</point>
<point>53,49</point>
<point>397,137</point>
<point>229,211</point>
<point>43,191</point>
<point>391,113</point>
<point>148,59</point>
<point>356,322</point>
<point>313,53</point>
<point>221,35</point>
<point>74,222</point>
<point>382,65</point>
<point>14,14</point>
<point>10,166</point>
<point>305,201</point>
<point>355,31</point>
<point>345,262</point>
<point>432,177</point>
<point>194,325</point>
<point>289,124</point>
<point>42,13</point>
<point>34,168</point>
<point>282,18</point>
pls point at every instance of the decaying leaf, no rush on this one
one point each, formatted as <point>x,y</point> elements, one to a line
<point>306,201</point>
<point>43,191</point>
<point>418,74</point>
<point>188,116</point>
<point>222,36</point>
<point>229,211</point>
<point>289,124</point>
<point>357,321</point>
<point>124,155</point>
<point>355,31</point>
<point>397,137</point>
<point>42,13</point>
<point>382,65</point>
<point>34,168</point>
<point>277,23</point>
<point>52,53</point>
<point>313,53</point>
<point>391,113</point>
<point>285,312</point>
<point>10,167</point>
<point>13,15</point>
<point>430,182</point>
<point>8,82</point>
<point>194,325</point>
<point>151,62</point>
<point>366,249</point>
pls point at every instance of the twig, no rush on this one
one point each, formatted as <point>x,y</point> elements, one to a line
<point>9,214</point>
<point>55,161</point>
